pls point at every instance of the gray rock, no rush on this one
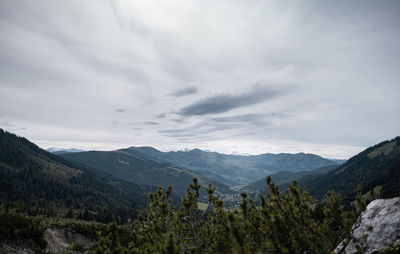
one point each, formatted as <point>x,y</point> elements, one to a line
<point>377,228</point>
<point>60,239</point>
<point>12,248</point>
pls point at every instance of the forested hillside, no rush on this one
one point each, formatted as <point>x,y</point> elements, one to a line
<point>140,170</point>
<point>39,182</point>
<point>283,178</point>
<point>377,165</point>
<point>233,169</point>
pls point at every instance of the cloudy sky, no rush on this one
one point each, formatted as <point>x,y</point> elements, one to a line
<point>243,76</point>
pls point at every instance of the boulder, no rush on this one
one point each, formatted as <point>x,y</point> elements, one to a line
<point>377,228</point>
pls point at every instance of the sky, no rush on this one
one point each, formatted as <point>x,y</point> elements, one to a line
<point>232,76</point>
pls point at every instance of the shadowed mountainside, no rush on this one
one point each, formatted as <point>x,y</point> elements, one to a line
<point>283,178</point>
<point>38,178</point>
<point>140,170</point>
<point>377,165</point>
<point>233,169</point>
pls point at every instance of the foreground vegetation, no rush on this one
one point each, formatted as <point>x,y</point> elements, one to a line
<point>19,228</point>
<point>289,222</point>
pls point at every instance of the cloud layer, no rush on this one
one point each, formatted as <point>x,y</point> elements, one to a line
<point>185,91</point>
<point>225,102</point>
<point>207,74</point>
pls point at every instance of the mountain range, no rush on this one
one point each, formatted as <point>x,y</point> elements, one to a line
<point>56,150</point>
<point>140,170</point>
<point>118,181</point>
<point>233,169</point>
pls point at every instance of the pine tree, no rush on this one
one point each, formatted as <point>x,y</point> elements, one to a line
<point>288,222</point>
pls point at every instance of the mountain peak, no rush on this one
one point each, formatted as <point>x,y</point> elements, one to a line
<point>57,150</point>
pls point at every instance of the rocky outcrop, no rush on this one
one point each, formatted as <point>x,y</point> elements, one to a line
<point>13,248</point>
<point>377,229</point>
<point>59,239</point>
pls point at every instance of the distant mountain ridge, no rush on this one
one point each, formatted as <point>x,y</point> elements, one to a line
<point>234,169</point>
<point>56,150</point>
<point>141,170</point>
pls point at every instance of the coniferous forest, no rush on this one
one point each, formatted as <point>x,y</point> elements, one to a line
<point>289,222</point>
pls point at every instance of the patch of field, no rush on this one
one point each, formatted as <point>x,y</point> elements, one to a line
<point>385,149</point>
<point>202,206</point>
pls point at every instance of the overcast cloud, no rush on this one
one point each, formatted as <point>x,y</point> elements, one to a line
<point>224,102</point>
<point>229,76</point>
<point>185,91</point>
